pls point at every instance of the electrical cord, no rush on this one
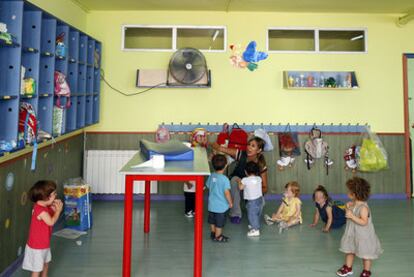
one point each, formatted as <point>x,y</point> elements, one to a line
<point>127,94</point>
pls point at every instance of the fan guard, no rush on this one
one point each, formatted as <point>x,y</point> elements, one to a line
<point>187,66</point>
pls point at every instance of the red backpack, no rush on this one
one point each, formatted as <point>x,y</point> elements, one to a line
<point>28,123</point>
<point>223,137</point>
<point>238,138</point>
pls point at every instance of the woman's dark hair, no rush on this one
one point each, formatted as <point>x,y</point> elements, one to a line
<point>323,190</point>
<point>260,158</point>
<point>359,187</point>
<point>252,168</point>
<point>219,162</point>
<point>42,190</point>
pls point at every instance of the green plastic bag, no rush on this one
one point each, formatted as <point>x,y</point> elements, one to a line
<point>372,155</point>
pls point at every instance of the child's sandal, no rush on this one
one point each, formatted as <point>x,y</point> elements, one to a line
<point>221,238</point>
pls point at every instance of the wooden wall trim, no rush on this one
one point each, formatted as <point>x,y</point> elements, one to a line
<point>27,151</point>
<point>406,129</point>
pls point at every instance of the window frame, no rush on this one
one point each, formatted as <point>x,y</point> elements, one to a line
<point>174,37</point>
<point>316,38</point>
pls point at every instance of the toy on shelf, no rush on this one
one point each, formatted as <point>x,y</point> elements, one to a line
<point>60,45</point>
<point>320,80</point>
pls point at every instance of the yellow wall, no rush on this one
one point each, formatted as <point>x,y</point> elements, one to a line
<point>65,10</point>
<point>243,96</point>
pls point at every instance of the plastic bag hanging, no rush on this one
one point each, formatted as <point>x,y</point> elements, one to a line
<point>371,156</point>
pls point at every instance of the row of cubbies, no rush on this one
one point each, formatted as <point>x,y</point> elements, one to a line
<point>33,45</point>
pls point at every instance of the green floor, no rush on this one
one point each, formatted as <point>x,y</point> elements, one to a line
<point>168,250</point>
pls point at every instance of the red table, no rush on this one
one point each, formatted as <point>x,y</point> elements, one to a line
<point>173,171</point>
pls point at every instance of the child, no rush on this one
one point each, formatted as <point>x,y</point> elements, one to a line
<point>253,153</point>
<point>330,213</point>
<point>289,212</point>
<point>189,196</point>
<point>219,199</point>
<point>359,238</point>
<point>252,191</point>
<point>46,211</point>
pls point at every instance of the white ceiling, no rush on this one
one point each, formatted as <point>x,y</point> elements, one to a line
<point>323,6</point>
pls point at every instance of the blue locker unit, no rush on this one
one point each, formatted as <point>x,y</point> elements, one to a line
<point>45,112</point>
<point>96,81</point>
<point>47,56</point>
<point>80,118</point>
<point>71,115</point>
<point>46,73</point>
<point>9,111</point>
<point>96,102</point>
<point>43,44</point>
<point>90,72</point>
<point>32,24</point>
<point>83,50</point>
<point>73,46</point>
<point>61,61</point>
<point>89,109</point>
<point>72,79</point>
<point>62,30</point>
<point>11,13</point>
<point>91,52</point>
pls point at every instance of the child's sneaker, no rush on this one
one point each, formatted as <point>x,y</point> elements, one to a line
<point>282,226</point>
<point>253,233</point>
<point>235,219</point>
<point>365,273</point>
<point>268,220</point>
<point>189,214</point>
<point>344,271</point>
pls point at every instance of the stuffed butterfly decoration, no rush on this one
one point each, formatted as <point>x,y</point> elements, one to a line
<point>251,55</point>
<point>249,58</point>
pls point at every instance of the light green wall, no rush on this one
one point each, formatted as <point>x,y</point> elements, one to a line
<point>65,10</point>
<point>243,96</point>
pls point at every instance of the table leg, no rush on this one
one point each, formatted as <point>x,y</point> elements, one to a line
<point>198,228</point>
<point>128,205</point>
<point>147,207</point>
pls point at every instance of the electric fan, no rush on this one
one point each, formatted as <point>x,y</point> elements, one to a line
<point>187,66</point>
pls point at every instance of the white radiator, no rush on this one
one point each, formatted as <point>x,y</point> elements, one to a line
<point>101,170</point>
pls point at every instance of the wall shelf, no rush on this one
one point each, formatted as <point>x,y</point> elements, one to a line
<point>320,80</point>
<point>34,33</point>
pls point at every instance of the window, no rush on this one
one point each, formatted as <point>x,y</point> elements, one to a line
<point>317,40</point>
<point>171,38</point>
<point>291,40</point>
<point>341,41</point>
<point>147,38</point>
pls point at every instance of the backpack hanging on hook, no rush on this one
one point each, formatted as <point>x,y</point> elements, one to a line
<point>317,148</point>
<point>288,147</point>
